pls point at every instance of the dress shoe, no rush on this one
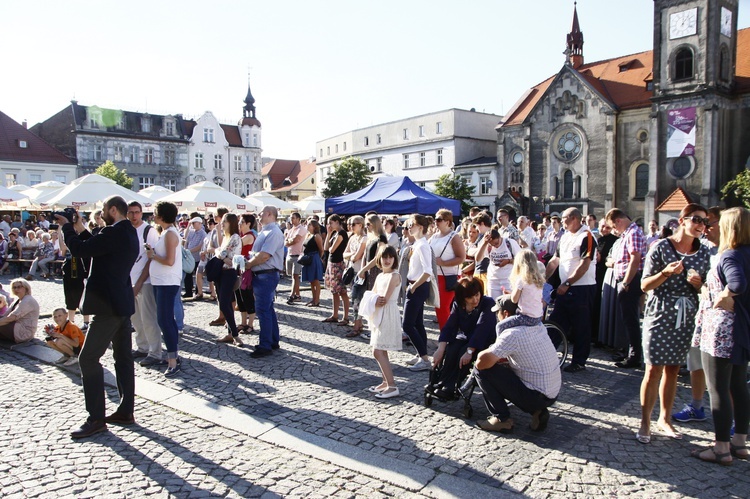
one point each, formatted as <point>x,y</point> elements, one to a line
<point>539,420</point>
<point>120,418</point>
<point>137,354</point>
<point>628,363</point>
<point>493,423</point>
<point>388,393</point>
<point>275,346</point>
<point>260,352</point>
<point>217,322</point>
<point>89,428</point>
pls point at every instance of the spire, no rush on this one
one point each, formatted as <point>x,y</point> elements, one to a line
<point>249,109</point>
<point>574,50</point>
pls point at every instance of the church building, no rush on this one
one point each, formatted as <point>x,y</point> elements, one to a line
<point>628,132</point>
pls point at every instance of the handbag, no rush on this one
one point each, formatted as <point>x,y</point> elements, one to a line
<point>188,261</point>
<point>348,276</point>
<point>305,259</point>
<point>213,269</point>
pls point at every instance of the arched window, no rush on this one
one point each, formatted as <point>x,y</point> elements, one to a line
<point>683,64</point>
<point>641,181</point>
<point>578,187</point>
<point>724,68</point>
<point>557,186</point>
<point>568,185</point>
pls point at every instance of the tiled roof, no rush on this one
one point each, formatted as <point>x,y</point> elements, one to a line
<point>36,150</point>
<point>623,80</point>
<point>675,201</point>
<point>279,170</point>
<point>485,160</point>
<point>232,133</point>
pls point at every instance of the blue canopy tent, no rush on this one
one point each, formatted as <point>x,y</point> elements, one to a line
<point>397,195</point>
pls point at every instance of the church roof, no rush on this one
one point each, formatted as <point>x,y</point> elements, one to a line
<point>295,171</point>
<point>675,201</point>
<point>623,80</point>
<point>12,135</point>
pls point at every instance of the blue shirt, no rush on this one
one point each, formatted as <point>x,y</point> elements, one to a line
<point>271,241</point>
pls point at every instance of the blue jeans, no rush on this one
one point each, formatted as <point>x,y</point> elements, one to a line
<point>573,314</point>
<point>165,296</point>
<point>179,312</point>
<point>264,289</point>
<point>413,324</point>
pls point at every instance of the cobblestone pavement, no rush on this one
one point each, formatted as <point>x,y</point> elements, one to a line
<point>322,433</point>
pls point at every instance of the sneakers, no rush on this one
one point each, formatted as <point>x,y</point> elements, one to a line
<point>85,327</point>
<point>137,354</point>
<point>71,361</point>
<point>172,371</point>
<point>413,360</point>
<point>493,423</point>
<point>421,365</point>
<point>690,413</point>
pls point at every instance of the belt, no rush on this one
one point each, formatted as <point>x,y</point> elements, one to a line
<point>411,282</point>
<point>295,256</point>
<point>266,271</point>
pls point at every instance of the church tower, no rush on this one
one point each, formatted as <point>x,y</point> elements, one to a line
<point>574,49</point>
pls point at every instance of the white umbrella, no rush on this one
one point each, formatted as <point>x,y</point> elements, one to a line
<point>207,195</point>
<point>89,193</point>
<point>40,191</point>
<point>9,195</point>
<point>312,205</point>
<point>265,198</point>
<point>19,187</point>
<point>155,192</point>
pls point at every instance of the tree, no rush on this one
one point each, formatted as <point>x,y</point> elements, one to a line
<point>737,191</point>
<point>349,175</point>
<point>109,169</point>
<point>455,187</point>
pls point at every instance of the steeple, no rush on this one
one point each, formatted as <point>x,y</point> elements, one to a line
<point>249,109</point>
<point>574,50</point>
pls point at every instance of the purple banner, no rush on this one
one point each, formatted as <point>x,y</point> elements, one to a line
<point>681,132</point>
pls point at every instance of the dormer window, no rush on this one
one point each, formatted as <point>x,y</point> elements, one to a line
<point>208,135</point>
<point>169,128</point>
<point>145,124</point>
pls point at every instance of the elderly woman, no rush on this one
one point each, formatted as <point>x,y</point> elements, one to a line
<point>12,251</point>
<point>470,328</point>
<point>20,321</point>
<point>674,271</point>
<point>44,255</point>
<point>29,245</point>
<point>723,335</point>
<point>335,243</point>
<point>450,253</point>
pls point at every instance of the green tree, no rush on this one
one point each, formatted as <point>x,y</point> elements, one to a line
<point>736,192</point>
<point>349,175</point>
<point>109,169</point>
<point>455,187</point>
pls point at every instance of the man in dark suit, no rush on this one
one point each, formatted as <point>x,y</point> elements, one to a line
<point>108,296</point>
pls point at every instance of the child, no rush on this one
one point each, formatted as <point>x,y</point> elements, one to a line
<point>386,334</point>
<point>65,337</point>
<point>527,284</point>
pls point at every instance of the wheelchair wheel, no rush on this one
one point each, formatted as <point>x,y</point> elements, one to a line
<point>427,400</point>
<point>559,340</point>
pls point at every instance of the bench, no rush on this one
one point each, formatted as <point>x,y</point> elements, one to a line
<point>18,264</point>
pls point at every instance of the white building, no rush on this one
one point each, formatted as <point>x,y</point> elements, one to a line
<point>421,147</point>
<point>228,155</point>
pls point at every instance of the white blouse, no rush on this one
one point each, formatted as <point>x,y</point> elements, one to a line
<point>420,261</point>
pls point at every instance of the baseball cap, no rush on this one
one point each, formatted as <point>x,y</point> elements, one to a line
<point>505,304</point>
<point>196,219</point>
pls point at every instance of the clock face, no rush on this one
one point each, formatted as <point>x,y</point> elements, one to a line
<point>683,23</point>
<point>726,22</point>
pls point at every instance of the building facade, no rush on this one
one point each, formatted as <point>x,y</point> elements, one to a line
<point>289,179</point>
<point>421,147</point>
<point>630,130</point>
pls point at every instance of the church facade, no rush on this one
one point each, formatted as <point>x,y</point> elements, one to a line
<point>629,131</point>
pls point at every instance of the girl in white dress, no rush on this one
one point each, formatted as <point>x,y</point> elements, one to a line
<point>386,334</point>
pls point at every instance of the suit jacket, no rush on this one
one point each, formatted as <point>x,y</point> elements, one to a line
<point>113,252</point>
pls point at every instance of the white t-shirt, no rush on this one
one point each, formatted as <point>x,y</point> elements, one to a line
<point>500,276</point>
<point>442,245</point>
<point>530,302</point>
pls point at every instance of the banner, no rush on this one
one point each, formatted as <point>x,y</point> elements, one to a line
<point>681,132</point>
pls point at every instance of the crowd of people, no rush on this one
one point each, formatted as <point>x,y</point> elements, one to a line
<point>665,298</point>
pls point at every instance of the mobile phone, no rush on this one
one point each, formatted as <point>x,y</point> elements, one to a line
<point>146,246</point>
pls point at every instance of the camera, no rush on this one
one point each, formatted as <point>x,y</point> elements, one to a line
<point>68,213</point>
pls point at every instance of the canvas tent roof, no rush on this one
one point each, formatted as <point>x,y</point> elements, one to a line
<point>397,195</point>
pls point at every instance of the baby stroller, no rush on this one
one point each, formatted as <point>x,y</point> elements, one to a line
<point>451,386</point>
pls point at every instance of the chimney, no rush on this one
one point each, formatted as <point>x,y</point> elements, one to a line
<point>24,124</point>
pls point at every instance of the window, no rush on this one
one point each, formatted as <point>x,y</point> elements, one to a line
<point>485,185</point>
<point>170,184</point>
<point>148,155</point>
<point>23,144</point>
<point>406,161</point>
<point>199,161</point>
<point>378,139</point>
<point>144,182</point>
<point>169,157</point>
<point>517,158</point>
<point>10,179</point>
<point>422,184</point>
<point>568,185</point>
<point>440,156</point>
<point>255,163</point>
<point>61,178</point>
<point>135,156</point>
<point>421,130</point>
<point>641,181</point>
<point>337,148</point>
<point>218,162</point>
<point>328,150</point>
<point>96,152</point>
<point>422,159</point>
<point>170,128</point>
<point>569,146</point>
<point>247,140</point>
<point>208,135</point>
<point>681,167</point>
<point>123,124</point>
<point>247,163</point>
<point>344,146</point>
<point>379,164</point>
<point>146,125</point>
<point>118,153</point>
<point>255,140</point>
<point>238,187</point>
<point>439,127</point>
<point>724,64</point>
<point>367,141</point>
<point>406,134</point>
<point>683,64</point>
<point>93,121</point>
<point>237,163</point>
<point>35,178</point>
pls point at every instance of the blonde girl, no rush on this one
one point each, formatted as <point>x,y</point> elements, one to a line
<point>526,290</point>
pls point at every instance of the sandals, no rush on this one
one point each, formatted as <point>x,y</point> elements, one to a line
<point>344,321</point>
<point>312,304</point>
<point>353,333</point>
<point>644,439</point>
<point>714,458</point>
<point>330,319</point>
<point>735,451</point>
<point>212,298</point>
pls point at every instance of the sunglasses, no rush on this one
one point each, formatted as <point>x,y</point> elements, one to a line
<point>700,220</point>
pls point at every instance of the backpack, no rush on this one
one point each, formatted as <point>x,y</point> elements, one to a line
<point>188,260</point>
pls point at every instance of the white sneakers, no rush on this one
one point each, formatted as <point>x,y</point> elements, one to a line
<point>413,360</point>
<point>421,365</point>
<point>71,361</point>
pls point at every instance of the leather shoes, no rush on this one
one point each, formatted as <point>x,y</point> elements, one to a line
<point>120,418</point>
<point>628,363</point>
<point>89,428</point>
<point>217,322</point>
<point>275,346</point>
<point>493,423</point>
<point>260,352</point>
<point>539,420</point>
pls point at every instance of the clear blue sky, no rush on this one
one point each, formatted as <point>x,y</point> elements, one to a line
<point>318,68</point>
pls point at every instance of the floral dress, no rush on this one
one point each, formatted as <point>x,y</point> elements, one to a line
<point>714,326</point>
<point>669,320</point>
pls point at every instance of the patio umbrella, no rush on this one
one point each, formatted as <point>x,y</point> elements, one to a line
<point>206,195</point>
<point>155,192</point>
<point>39,191</point>
<point>89,193</point>
<point>19,187</point>
<point>9,195</point>
<point>265,198</point>
<point>311,205</point>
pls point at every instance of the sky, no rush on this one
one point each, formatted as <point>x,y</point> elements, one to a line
<point>316,68</point>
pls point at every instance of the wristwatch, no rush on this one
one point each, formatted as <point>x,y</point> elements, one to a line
<point>470,351</point>
<point>567,283</point>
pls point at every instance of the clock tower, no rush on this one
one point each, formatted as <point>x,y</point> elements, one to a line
<point>695,46</point>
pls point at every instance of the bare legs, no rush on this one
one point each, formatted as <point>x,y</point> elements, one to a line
<point>658,381</point>
<point>381,356</point>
